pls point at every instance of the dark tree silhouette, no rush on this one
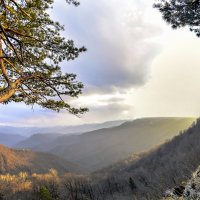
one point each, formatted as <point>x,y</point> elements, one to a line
<point>181,13</point>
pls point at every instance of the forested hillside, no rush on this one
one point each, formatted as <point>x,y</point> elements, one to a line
<point>14,161</point>
<point>163,168</point>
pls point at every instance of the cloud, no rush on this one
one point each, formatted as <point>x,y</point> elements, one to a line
<point>117,36</point>
<point>105,107</point>
<point>102,108</point>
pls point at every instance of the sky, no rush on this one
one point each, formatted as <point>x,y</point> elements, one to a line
<point>135,66</point>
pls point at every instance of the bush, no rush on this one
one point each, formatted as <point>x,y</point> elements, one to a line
<point>45,194</point>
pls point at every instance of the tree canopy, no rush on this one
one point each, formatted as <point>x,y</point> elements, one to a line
<point>181,13</point>
<point>31,50</point>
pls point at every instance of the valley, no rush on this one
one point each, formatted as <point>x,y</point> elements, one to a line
<point>100,148</point>
<point>169,160</point>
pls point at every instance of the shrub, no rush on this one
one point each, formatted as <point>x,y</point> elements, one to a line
<point>45,194</point>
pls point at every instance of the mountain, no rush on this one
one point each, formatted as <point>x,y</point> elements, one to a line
<point>41,141</point>
<point>14,161</point>
<point>10,139</point>
<point>37,141</point>
<point>28,131</point>
<point>167,166</point>
<point>100,148</point>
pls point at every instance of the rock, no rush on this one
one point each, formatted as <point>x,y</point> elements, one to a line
<point>178,191</point>
<point>190,192</point>
<point>192,189</point>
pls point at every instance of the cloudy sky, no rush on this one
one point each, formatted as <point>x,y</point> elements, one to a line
<point>135,66</point>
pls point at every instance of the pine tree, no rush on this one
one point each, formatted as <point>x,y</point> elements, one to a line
<point>132,184</point>
<point>31,50</point>
<point>45,194</point>
<point>181,13</point>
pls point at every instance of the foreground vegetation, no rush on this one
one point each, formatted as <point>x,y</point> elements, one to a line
<point>50,186</point>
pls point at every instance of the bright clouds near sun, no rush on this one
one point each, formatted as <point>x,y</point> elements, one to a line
<point>175,84</point>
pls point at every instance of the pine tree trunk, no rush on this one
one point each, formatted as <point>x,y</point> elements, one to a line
<point>11,88</point>
<point>6,94</point>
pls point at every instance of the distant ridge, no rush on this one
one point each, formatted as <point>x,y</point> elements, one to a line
<point>10,139</point>
<point>28,131</point>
